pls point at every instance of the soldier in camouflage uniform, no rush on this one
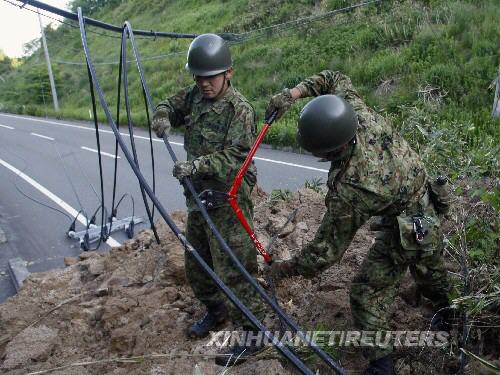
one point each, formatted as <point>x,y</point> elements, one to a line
<point>373,172</point>
<point>220,129</point>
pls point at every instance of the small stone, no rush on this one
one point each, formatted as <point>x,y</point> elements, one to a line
<point>302,226</point>
<point>102,291</point>
<point>70,261</point>
<point>88,254</point>
<point>96,267</point>
<point>32,344</point>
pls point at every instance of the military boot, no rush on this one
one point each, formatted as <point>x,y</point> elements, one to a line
<point>214,317</point>
<point>238,354</point>
<point>381,366</point>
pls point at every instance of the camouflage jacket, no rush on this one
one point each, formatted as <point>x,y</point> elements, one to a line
<point>381,173</point>
<point>218,133</point>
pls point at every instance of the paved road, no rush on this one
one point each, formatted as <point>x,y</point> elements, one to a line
<point>48,160</point>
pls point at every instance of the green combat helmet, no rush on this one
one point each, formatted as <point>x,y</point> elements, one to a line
<point>208,55</point>
<point>326,123</point>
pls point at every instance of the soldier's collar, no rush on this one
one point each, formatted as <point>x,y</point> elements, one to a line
<point>341,157</point>
<point>219,105</point>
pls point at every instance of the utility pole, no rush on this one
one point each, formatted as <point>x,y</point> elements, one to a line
<point>496,104</point>
<point>49,66</point>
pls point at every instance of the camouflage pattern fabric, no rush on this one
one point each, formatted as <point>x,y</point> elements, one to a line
<point>218,134</point>
<point>380,175</point>
<point>200,236</point>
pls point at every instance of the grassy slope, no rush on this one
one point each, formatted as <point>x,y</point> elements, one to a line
<point>428,64</point>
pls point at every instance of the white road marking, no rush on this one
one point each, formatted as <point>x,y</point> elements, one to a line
<point>160,140</point>
<point>102,152</point>
<point>66,207</point>
<point>291,164</point>
<point>42,136</point>
<point>6,127</point>
<point>87,128</point>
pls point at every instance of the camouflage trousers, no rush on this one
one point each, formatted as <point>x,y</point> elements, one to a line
<point>376,285</point>
<point>199,235</point>
<point>394,251</point>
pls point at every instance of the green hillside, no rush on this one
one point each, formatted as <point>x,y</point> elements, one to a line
<point>428,64</point>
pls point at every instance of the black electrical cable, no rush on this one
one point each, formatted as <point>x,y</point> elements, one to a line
<point>96,126</point>
<point>118,102</point>
<point>124,71</point>
<point>104,25</point>
<point>103,228</point>
<point>150,147</point>
<point>62,22</point>
<point>220,284</point>
<point>67,176</point>
<point>92,219</point>
<point>41,203</point>
<point>130,229</point>
<point>85,175</point>
<point>131,199</point>
<point>72,227</point>
<point>189,185</point>
<point>147,103</point>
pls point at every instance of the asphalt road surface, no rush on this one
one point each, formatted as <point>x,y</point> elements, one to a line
<point>55,162</point>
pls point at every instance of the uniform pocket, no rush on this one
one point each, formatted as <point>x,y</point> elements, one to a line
<point>419,235</point>
<point>212,137</point>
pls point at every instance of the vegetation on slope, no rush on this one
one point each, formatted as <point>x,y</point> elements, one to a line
<point>429,65</point>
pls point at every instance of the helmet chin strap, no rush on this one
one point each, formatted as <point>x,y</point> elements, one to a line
<point>223,86</point>
<point>337,154</point>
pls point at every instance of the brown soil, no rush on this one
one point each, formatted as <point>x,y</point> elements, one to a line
<point>134,301</point>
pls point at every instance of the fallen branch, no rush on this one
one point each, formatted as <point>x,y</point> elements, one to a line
<point>136,359</point>
<point>69,300</point>
<point>485,363</point>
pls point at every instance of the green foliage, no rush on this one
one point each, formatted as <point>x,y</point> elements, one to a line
<point>427,65</point>
<point>91,6</point>
<point>315,184</point>
<point>483,236</point>
<point>6,65</point>
<point>280,194</point>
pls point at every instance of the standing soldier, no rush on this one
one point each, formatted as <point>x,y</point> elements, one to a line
<point>220,129</point>
<point>373,172</point>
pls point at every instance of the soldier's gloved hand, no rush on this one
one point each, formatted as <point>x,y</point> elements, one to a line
<point>185,168</point>
<point>280,103</point>
<point>161,123</point>
<point>281,269</point>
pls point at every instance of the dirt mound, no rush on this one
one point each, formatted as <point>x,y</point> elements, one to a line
<point>125,312</point>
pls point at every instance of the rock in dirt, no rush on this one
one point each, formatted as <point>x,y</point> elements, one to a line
<point>88,254</point>
<point>34,343</point>
<point>70,261</point>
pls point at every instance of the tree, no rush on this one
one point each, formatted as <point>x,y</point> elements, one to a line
<point>5,63</point>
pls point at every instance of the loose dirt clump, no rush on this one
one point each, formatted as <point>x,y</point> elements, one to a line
<point>125,312</point>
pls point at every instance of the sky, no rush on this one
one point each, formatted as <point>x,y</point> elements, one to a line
<point>19,26</point>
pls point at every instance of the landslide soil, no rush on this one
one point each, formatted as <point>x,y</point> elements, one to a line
<point>134,302</point>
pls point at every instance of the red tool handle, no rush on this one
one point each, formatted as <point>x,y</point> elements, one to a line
<point>233,191</point>
<point>239,214</point>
